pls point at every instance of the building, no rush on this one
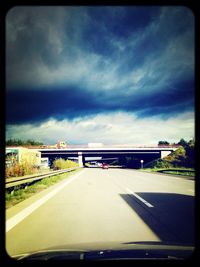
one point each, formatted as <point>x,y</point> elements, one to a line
<point>61,144</point>
<point>23,155</point>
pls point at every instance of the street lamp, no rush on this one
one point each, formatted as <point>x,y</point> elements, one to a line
<point>141,161</point>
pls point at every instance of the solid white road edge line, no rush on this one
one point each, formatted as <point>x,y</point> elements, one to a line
<point>140,198</point>
<point>10,223</point>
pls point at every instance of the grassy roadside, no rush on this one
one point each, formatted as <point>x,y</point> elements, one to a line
<point>22,194</point>
<point>173,171</point>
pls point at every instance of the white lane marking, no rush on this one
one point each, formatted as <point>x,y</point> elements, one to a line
<point>10,223</point>
<point>140,198</point>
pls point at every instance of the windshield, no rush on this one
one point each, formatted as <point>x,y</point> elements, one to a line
<point>100,132</point>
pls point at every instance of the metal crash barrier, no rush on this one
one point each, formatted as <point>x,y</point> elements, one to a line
<point>27,179</point>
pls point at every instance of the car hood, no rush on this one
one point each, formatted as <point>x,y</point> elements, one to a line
<point>111,251</point>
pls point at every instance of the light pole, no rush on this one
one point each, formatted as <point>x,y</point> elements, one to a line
<point>141,161</point>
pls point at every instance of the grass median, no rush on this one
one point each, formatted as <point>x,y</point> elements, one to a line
<point>173,171</point>
<point>19,195</point>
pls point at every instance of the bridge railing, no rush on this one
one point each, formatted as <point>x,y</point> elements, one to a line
<point>103,145</point>
<point>123,146</point>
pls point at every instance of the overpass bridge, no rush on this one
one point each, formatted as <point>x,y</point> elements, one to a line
<point>83,154</point>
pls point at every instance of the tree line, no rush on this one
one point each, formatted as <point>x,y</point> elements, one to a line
<point>182,142</point>
<point>19,142</point>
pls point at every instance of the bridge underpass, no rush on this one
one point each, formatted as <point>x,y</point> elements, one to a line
<point>129,157</point>
<point>125,160</point>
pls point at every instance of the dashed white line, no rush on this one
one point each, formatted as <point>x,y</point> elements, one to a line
<point>10,223</point>
<point>140,198</point>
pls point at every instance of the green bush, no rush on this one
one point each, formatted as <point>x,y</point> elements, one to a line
<point>161,163</point>
<point>22,169</point>
<point>64,164</point>
<point>182,157</point>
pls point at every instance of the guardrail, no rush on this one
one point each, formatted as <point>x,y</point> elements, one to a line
<point>177,170</point>
<point>25,180</point>
<point>190,174</point>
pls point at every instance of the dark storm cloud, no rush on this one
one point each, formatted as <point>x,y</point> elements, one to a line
<point>31,106</point>
<point>77,61</point>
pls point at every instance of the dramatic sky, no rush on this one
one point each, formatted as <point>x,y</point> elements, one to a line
<point>121,74</point>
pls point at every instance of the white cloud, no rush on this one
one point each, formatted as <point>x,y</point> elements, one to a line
<point>115,128</point>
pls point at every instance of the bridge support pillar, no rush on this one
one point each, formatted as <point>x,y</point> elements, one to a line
<point>165,153</point>
<point>80,159</point>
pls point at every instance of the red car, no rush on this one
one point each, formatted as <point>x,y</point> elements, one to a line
<point>105,166</point>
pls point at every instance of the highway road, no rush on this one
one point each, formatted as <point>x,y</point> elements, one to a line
<point>97,205</point>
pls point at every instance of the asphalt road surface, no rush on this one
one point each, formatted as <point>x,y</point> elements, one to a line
<point>97,205</point>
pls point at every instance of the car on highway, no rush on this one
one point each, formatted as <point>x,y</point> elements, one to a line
<point>104,166</point>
